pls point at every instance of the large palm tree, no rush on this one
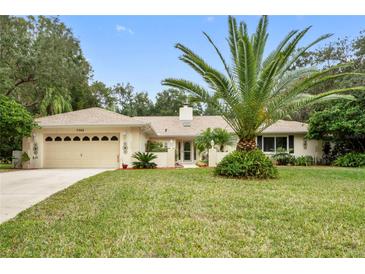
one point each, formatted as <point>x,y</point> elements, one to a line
<point>254,92</point>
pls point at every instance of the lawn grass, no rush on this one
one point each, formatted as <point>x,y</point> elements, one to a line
<point>308,212</point>
<point>6,167</point>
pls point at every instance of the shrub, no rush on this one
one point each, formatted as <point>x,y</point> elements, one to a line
<point>15,123</point>
<point>247,164</point>
<point>351,159</point>
<point>304,161</point>
<point>144,160</point>
<point>283,158</point>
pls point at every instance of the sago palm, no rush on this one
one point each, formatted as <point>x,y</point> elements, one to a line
<point>254,92</point>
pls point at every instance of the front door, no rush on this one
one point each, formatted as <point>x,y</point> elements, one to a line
<point>187,151</point>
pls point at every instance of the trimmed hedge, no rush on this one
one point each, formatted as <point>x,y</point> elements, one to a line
<point>247,164</point>
<point>351,159</point>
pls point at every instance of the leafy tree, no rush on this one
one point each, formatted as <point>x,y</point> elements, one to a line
<point>41,61</point>
<point>169,101</point>
<point>343,124</point>
<point>255,92</point>
<point>143,106</point>
<point>15,123</point>
<point>341,51</point>
<point>131,103</point>
<point>103,96</point>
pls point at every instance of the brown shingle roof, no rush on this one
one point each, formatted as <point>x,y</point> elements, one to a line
<point>168,126</point>
<point>88,117</point>
<point>164,126</point>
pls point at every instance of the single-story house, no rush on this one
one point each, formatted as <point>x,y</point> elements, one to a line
<point>98,138</point>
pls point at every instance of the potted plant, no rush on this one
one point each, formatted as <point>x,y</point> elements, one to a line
<point>124,166</point>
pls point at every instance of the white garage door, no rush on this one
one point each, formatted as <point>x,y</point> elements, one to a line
<point>81,151</point>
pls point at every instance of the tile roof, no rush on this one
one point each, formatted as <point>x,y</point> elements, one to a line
<point>88,117</point>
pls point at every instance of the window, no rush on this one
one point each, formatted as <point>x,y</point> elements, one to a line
<point>86,138</point>
<point>291,144</point>
<point>49,139</point>
<point>114,138</point>
<point>105,138</point>
<point>58,139</point>
<point>95,138</point>
<point>269,144</point>
<point>67,139</point>
<point>259,142</point>
<point>179,151</point>
<point>76,138</point>
<point>275,143</point>
<point>281,143</point>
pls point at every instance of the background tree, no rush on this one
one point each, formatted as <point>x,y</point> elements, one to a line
<point>342,124</point>
<point>15,123</point>
<point>143,106</point>
<point>41,61</point>
<point>102,96</point>
<point>342,51</point>
<point>131,103</point>
<point>169,101</point>
<point>255,92</point>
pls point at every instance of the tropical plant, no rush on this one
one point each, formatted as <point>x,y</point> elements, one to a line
<point>217,136</point>
<point>144,160</point>
<point>283,158</point>
<point>203,141</point>
<point>222,138</point>
<point>304,161</point>
<point>25,158</point>
<point>247,164</point>
<point>351,159</point>
<point>255,92</point>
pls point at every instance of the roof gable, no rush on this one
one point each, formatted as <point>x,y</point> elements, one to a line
<point>88,117</point>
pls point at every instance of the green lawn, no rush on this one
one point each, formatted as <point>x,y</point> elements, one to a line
<point>308,212</point>
<point>6,167</point>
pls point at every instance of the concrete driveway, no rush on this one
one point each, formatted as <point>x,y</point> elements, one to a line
<point>21,189</point>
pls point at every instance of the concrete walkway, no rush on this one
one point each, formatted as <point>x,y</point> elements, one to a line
<point>22,189</point>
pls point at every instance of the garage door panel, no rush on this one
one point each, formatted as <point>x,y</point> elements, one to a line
<point>75,154</point>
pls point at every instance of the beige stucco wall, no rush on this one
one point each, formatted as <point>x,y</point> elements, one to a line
<point>133,138</point>
<point>313,147</point>
<point>165,159</point>
<point>35,154</point>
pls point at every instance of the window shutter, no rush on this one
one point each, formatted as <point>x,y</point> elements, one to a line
<point>291,144</point>
<point>259,142</point>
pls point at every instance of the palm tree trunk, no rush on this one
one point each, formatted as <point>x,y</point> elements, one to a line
<point>246,144</point>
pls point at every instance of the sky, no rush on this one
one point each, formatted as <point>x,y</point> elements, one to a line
<point>140,49</point>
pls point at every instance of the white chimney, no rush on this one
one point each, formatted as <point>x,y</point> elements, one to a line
<point>186,115</point>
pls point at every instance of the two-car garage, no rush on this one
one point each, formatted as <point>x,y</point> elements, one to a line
<point>81,150</point>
